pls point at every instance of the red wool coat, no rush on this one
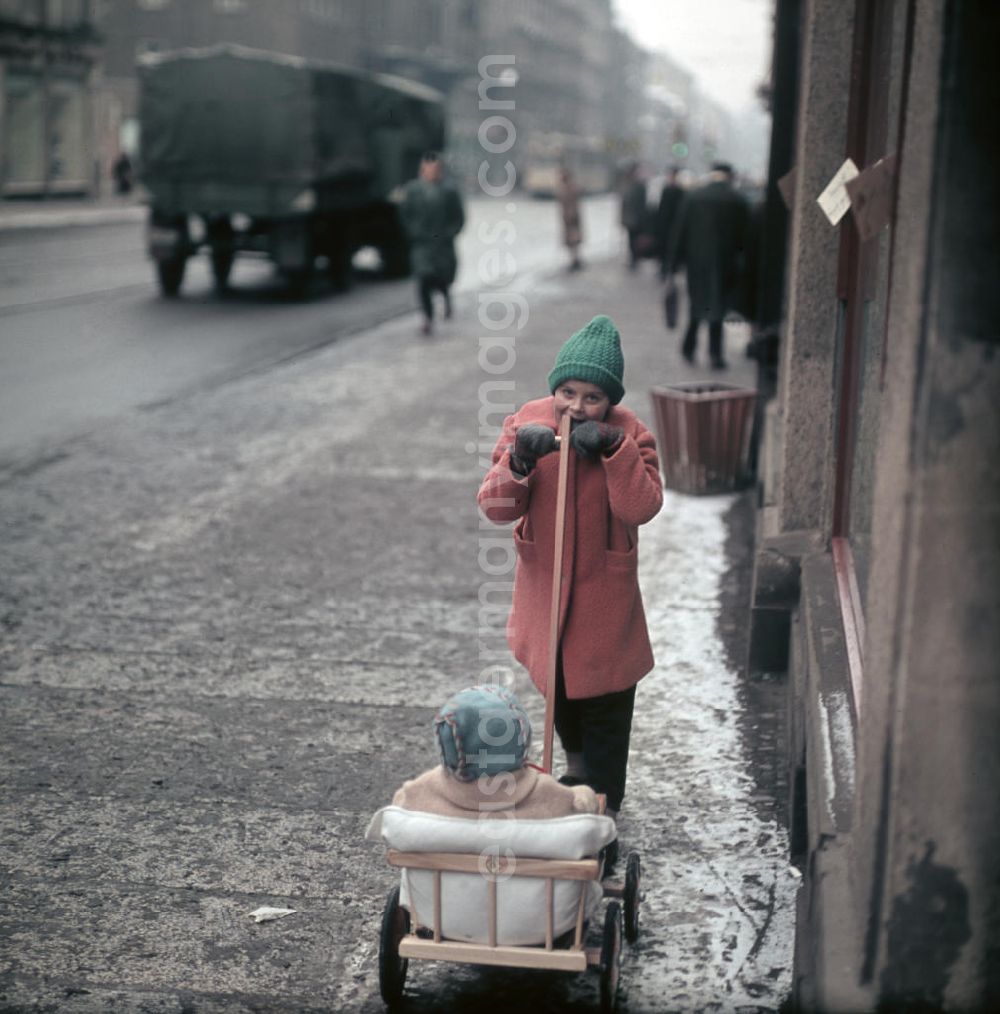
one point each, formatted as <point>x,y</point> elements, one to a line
<point>602,625</point>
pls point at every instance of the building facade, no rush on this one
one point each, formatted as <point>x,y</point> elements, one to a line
<point>878,539</point>
<point>49,55</point>
<point>670,104</point>
<point>581,83</point>
<point>585,93</point>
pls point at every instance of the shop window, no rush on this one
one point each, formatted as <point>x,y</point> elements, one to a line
<point>45,135</point>
<point>24,139</point>
<point>67,136</point>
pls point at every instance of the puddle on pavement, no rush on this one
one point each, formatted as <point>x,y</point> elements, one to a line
<point>762,718</point>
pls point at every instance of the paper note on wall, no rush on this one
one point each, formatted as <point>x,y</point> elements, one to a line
<point>835,199</point>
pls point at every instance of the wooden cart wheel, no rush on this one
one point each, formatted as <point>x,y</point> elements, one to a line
<point>611,957</point>
<point>631,897</point>
<point>392,968</point>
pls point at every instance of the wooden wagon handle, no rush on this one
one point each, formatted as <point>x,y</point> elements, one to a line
<point>550,680</point>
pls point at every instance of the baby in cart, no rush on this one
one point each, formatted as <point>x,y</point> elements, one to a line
<point>485,800</point>
<point>484,736</point>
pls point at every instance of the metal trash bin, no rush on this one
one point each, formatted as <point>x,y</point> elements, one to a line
<point>703,432</point>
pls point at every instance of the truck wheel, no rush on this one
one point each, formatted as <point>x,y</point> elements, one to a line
<point>392,244</point>
<point>220,241</point>
<point>339,268</point>
<point>298,281</point>
<point>222,265</point>
<point>394,251</point>
<point>171,274</point>
<point>395,259</point>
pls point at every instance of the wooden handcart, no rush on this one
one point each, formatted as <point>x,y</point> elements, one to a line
<point>403,938</point>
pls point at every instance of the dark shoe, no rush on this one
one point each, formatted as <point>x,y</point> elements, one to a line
<point>447,306</point>
<point>571,780</point>
<point>718,363</point>
<point>688,355</point>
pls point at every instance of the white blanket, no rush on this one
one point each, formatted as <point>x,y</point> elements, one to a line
<point>520,900</point>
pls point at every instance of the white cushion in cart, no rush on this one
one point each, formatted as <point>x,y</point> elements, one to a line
<point>464,896</point>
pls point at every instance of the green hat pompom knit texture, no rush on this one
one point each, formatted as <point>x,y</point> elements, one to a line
<point>593,354</point>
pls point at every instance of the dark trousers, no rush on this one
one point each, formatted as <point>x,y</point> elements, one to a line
<point>599,728</point>
<point>426,287</point>
<point>714,338</point>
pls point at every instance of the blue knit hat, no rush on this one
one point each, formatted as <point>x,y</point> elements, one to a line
<point>482,730</point>
<point>593,354</point>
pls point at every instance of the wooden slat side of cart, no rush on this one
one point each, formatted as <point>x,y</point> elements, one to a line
<point>574,958</point>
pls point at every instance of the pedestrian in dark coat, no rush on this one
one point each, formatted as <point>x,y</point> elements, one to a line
<point>613,487</point>
<point>122,173</point>
<point>432,215</point>
<point>666,215</point>
<point>709,240</point>
<point>633,211</point>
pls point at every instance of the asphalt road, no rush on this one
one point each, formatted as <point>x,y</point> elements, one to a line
<point>85,337</point>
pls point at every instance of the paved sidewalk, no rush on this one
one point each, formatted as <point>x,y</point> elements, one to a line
<point>57,212</point>
<point>228,621</point>
<point>706,794</point>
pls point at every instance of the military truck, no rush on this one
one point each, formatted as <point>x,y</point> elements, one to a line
<point>246,151</point>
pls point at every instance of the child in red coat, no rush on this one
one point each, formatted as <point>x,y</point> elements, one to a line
<point>613,487</point>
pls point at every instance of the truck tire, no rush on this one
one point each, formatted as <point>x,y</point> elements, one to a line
<point>394,246</point>
<point>221,244</point>
<point>222,265</point>
<point>339,268</point>
<point>395,257</point>
<point>171,273</point>
<point>298,282</point>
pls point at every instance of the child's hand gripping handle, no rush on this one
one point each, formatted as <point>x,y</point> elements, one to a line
<point>560,526</point>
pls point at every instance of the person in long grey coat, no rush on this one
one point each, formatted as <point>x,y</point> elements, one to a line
<point>568,196</point>
<point>709,241</point>
<point>432,215</point>
<point>633,210</point>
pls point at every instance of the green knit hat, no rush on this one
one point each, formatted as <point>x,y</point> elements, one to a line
<point>593,354</point>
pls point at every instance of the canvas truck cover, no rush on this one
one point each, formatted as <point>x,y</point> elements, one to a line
<point>232,129</point>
